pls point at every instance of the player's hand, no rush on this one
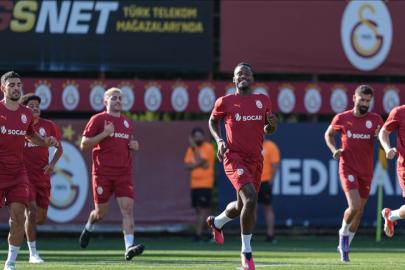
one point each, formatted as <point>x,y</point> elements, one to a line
<point>377,131</point>
<point>338,153</point>
<point>49,168</point>
<point>51,141</point>
<point>133,145</point>
<point>221,149</point>
<point>191,141</point>
<point>391,153</point>
<point>108,129</point>
<point>272,119</point>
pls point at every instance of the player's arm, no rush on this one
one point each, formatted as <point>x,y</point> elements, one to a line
<point>89,142</point>
<point>271,127</point>
<point>56,156</point>
<point>215,130</point>
<point>385,142</point>
<point>38,140</point>
<point>330,142</point>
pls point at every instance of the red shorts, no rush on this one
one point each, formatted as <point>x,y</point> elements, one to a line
<point>15,189</point>
<point>40,191</point>
<point>243,170</point>
<point>401,180</point>
<point>105,185</point>
<point>352,181</point>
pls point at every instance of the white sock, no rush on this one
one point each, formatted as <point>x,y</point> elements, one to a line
<point>394,215</point>
<point>89,226</point>
<point>221,220</point>
<point>345,228</point>
<point>12,253</point>
<point>351,236</point>
<point>246,243</point>
<point>129,240</point>
<point>32,247</point>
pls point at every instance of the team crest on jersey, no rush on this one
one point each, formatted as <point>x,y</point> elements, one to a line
<point>369,124</point>
<point>126,124</point>
<point>99,190</point>
<point>239,171</point>
<point>351,178</point>
<point>3,130</point>
<point>23,118</point>
<point>42,131</point>
<point>259,104</point>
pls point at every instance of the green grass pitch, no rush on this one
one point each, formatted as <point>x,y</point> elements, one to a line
<point>179,253</point>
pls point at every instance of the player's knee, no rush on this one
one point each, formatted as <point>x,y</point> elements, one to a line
<point>101,214</point>
<point>251,201</point>
<point>41,220</point>
<point>127,210</point>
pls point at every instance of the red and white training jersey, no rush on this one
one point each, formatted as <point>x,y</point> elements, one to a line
<point>37,157</point>
<point>244,119</point>
<point>111,156</point>
<point>357,139</point>
<point>396,121</point>
<point>14,125</point>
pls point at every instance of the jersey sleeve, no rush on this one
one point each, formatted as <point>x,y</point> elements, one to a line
<point>393,120</point>
<point>274,154</point>
<point>92,128</point>
<point>268,109</point>
<point>189,155</point>
<point>30,128</point>
<point>336,123</point>
<point>55,131</point>
<point>219,109</point>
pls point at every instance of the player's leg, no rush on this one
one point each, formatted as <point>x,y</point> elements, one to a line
<point>31,214</point>
<point>99,213</point>
<point>126,206</point>
<point>264,198</point>
<point>16,234</point>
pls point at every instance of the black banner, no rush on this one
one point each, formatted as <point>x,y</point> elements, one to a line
<point>106,35</point>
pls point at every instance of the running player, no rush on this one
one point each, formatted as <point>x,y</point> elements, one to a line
<point>16,123</point>
<point>39,169</point>
<point>395,121</point>
<point>358,129</point>
<point>246,116</point>
<point>108,133</point>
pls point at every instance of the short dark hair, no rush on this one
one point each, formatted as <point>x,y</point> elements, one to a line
<point>243,64</point>
<point>364,89</point>
<point>10,74</point>
<point>30,96</point>
<point>195,130</point>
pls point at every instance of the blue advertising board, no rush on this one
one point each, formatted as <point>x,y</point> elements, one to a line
<point>307,189</point>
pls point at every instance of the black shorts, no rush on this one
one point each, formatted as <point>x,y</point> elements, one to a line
<point>201,197</point>
<point>265,193</point>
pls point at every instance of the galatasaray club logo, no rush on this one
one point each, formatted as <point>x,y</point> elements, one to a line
<point>230,89</point>
<point>97,95</point>
<point>312,99</point>
<point>261,89</point>
<point>391,98</point>
<point>369,124</point>
<point>42,131</point>
<point>366,33</point>
<point>338,99</point>
<point>69,185</point>
<point>153,96</point>
<point>44,92</point>
<point>179,97</point>
<point>206,97</point>
<point>286,98</point>
<point>23,118</point>
<point>126,124</point>
<point>128,96</point>
<point>259,104</point>
<point>70,95</point>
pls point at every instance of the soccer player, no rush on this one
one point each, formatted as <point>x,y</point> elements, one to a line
<point>358,129</point>
<point>199,160</point>
<point>246,116</point>
<point>394,122</point>
<point>39,169</point>
<point>271,155</point>
<point>16,123</point>
<point>108,133</point>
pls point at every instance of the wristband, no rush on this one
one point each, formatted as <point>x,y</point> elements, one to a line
<point>220,140</point>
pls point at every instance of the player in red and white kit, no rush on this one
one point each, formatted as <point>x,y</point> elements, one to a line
<point>395,122</point>
<point>358,130</point>
<point>108,133</point>
<point>246,116</point>
<point>16,124</point>
<point>39,169</point>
